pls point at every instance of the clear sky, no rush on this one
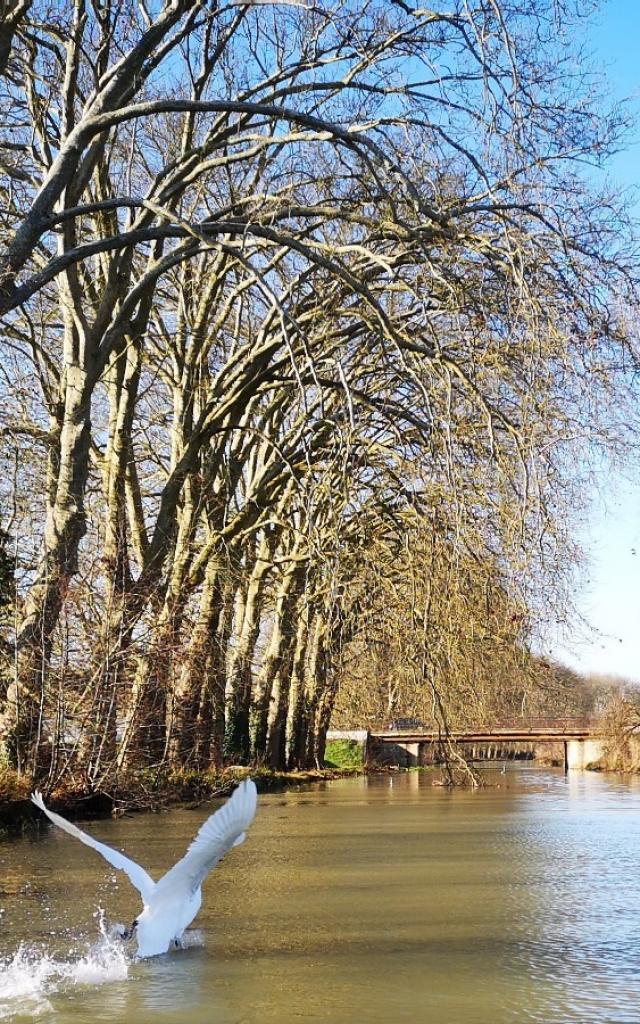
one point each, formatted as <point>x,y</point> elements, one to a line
<point>610,599</point>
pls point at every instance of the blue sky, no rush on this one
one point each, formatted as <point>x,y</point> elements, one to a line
<point>610,598</point>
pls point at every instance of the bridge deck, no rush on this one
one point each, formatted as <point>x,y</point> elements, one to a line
<point>524,734</point>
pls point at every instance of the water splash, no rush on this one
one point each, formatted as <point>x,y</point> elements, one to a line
<point>30,976</point>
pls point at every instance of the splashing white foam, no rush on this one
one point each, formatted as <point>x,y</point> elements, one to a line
<point>23,983</point>
<point>30,976</point>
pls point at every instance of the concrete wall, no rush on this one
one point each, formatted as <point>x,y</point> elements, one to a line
<point>360,735</point>
<point>580,753</point>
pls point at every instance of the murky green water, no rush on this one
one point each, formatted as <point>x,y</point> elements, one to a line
<point>366,900</point>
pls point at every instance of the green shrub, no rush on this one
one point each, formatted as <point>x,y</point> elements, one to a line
<point>344,754</point>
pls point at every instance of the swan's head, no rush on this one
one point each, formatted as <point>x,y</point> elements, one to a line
<point>128,933</point>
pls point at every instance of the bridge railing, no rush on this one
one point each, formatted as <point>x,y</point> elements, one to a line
<point>567,722</point>
<point>538,724</point>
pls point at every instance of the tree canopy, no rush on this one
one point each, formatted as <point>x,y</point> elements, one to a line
<point>312,323</point>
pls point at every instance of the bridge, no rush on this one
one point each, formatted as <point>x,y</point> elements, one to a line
<point>573,743</point>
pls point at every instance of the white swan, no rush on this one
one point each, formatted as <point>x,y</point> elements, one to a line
<point>171,904</point>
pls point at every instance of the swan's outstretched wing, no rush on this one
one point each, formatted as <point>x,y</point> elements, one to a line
<point>224,829</point>
<point>142,881</point>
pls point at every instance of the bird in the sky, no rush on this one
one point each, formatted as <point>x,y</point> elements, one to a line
<point>171,904</point>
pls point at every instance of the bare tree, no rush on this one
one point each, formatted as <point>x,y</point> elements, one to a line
<point>281,285</point>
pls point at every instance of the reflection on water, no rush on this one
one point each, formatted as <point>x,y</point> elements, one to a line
<point>375,900</point>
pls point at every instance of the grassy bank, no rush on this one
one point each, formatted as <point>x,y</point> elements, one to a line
<point>344,754</point>
<point>150,791</point>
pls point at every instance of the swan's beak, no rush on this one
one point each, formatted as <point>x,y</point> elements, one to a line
<point>127,933</point>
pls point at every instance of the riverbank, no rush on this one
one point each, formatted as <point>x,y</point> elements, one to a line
<point>150,791</point>
<point>622,747</point>
<point>153,791</point>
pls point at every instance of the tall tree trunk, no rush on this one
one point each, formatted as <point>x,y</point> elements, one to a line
<point>277,738</point>
<point>336,636</point>
<point>297,721</point>
<point>237,738</point>
<point>99,742</point>
<point>309,687</point>
<point>148,709</point>
<point>280,638</point>
<point>187,698</point>
<point>326,701</point>
<point>22,723</point>
<point>210,724</point>
<point>145,711</point>
<point>150,703</point>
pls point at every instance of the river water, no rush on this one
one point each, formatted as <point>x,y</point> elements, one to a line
<point>372,900</point>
